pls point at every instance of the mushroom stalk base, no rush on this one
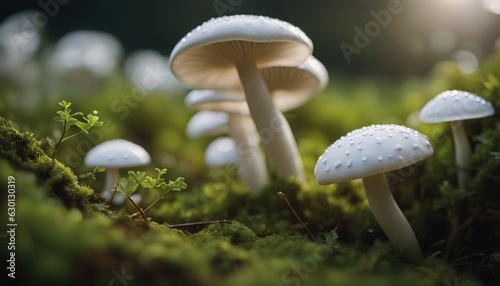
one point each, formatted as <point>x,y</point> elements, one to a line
<point>462,152</point>
<point>252,165</point>
<point>275,132</point>
<point>112,177</point>
<point>390,218</point>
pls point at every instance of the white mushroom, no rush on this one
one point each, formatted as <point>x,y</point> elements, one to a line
<point>252,167</point>
<point>149,69</point>
<point>454,106</point>
<point>113,155</point>
<point>84,57</point>
<point>231,49</point>
<point>368,153</point>
<point>221,152</point>
<point>207,123</point>
<point>19,41</point>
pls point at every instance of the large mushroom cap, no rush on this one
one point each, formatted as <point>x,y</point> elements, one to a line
<point>205,58</point>
<point>453,105</point>
<point>291,87</point>
<point>117,153</point>
<point>371,150</point>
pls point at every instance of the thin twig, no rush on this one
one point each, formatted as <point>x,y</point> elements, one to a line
<point>140,210</point>
<point>285,199</point>
<point>200,223</point>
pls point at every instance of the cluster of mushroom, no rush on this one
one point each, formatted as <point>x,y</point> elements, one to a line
<point>368,152</point>
<point>252,67</point>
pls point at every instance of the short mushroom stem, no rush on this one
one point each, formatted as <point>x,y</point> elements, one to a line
<point>462,152</point>
<point>390,218</point>
<point>252,165</point>
<point>276,135</point>
<point>112,177</point>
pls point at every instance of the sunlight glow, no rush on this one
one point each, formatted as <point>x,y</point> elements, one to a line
<point>492,6</point>
<point>466,61</point>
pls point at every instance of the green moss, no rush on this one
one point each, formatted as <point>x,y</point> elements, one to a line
<point>23,151</point>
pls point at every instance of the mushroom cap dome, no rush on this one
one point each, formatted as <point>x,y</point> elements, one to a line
<point>453,105</point>
<point>221,152</point>
<point>371,150</point>
<point>207,123</point>
<point>205,58</point>
<point>117,153</point>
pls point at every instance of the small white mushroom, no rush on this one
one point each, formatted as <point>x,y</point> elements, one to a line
<point>84,57</point>
<point>368,153</point>
<point>221,152</point>
<point>207,123</point>
<point>454,106</point>
<point>113,155</point>
<point>149,69</point>
<point>19,40</point>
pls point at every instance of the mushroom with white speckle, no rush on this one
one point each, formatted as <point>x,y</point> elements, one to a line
<point>368,153</point>
<point>454,106</point>
<point>113,155</point>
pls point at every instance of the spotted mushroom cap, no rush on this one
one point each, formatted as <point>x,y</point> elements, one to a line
<point>117,153</point>
<point>205,58</point>
<point>453,105</point>
<point>371,150</point>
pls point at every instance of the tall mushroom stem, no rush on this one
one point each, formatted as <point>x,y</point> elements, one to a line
<point>390,218</point>
<point>462,152</point>
<point>252,165</point>
<point>275,132</point>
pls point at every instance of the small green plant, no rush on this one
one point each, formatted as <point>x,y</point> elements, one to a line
<point>128,186</point>
<point>89,176</point>
<point>69,119</point>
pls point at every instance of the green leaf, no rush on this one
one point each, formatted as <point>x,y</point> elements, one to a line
<point>83,126</point>
<point>149,183</point>
<point>65,104</point>
<point>127,186</point>
<point>98,169</point>
<point>178,184</point>
<point>62,114</point>
<point>93,120</point>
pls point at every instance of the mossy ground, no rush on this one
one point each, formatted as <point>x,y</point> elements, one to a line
<point>65,237</point>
